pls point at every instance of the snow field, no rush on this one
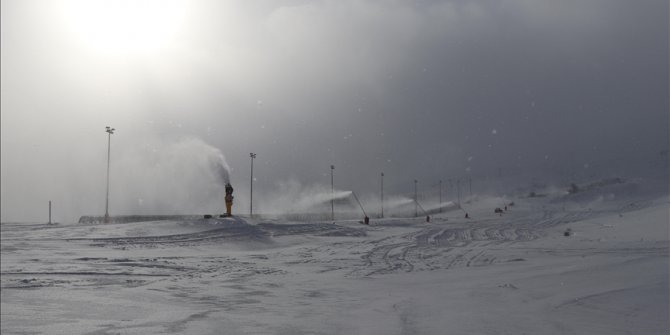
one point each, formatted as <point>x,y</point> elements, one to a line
<point>514,273</point>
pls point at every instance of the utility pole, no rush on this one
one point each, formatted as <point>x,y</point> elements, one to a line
<point>332,194</point>
<point>109,131</point>
<point>451,185</point>
<point>251,187</point>
<point>440,195</point>
<point>382,195</point>
<point>416,200</point>
<point>458,190</point>
<point>470,182</point>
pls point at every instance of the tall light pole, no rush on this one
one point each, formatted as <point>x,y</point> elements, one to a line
<point>440,195</point>
<point>451,186</point>
<point>416,200</point>
<point>382,195</point>
<point>332,193</point>
<point>458,189</point>
<point>470,182</point>
<point>251,187</point>
<point>109,131</point>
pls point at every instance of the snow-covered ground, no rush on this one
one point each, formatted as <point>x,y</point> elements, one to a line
<point>515,273</point>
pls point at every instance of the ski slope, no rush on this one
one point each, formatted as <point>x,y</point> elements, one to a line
<point>515,273</point>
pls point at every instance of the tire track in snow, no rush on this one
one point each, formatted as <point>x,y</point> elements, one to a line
<point>466,245</point>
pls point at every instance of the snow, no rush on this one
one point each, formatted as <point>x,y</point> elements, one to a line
<point>514,273</point>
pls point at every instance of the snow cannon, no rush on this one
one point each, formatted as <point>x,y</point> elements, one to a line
<point>229,199</point>
<point>366,219</point>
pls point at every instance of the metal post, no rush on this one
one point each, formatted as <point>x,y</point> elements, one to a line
<point>416,212</point>
<point>470,182</point>
<point>382,195</point>
<point>49,211</point>
<point>458,189</point>
<point>440,195</point>
<point>109,131</point>
<point>332,194</point>
<point>451,186</point>
<point>251,187</point>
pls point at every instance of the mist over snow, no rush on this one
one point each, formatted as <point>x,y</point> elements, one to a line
<point>552,91</point>
<point>182,177</point>
<point>291,196</point>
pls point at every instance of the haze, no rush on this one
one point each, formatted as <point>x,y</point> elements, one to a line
<point>423,90</point>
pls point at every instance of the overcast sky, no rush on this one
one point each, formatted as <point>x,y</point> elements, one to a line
<point>422,90</point>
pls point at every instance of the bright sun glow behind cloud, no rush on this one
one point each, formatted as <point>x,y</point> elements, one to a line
<point>125,27</point>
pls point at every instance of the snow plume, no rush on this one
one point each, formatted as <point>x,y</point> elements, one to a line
<point>308,200</point>
<point>293,197</point>
<point>219,165</point>
<point>181,177</point>
<point>398,201</point>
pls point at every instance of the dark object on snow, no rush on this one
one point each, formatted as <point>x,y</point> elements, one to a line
<point>208,216</point>
<point>568,232</point>
<point>573,188</point>
<point>505,208</point>
<point>511,204</point>
<point>498,210</point>
<point>366,220</point>
<point>427,218</point>
<point>467,216</point>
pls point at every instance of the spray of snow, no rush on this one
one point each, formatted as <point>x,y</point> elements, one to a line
<point>292,196</point>
<point>449,205</point>
<point>180,177</point>
<point>398,201</point>
<point>316,199</point>
<point>219,165</point>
